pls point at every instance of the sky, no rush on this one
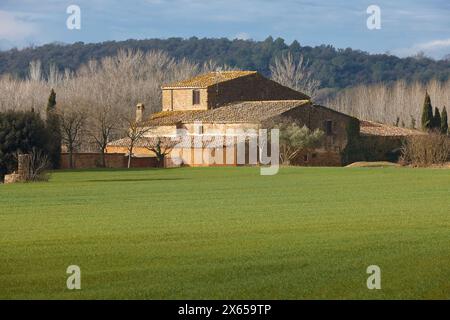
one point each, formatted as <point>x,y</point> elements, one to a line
<point>406,26</point>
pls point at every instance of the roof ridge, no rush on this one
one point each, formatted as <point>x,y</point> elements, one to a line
<point>208,79</point>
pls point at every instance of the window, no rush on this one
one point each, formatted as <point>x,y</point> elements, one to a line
<point>195,97</point>
<point>329,127</point>
<point>305,158</point>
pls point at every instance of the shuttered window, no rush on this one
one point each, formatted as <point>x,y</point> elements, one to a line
<point>329,127</point>
<point>195,97</point>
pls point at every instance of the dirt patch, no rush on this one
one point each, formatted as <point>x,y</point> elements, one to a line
<point>440,166</point>
<point>376,164</point>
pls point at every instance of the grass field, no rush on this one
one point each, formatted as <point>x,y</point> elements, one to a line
<point>219,233</point>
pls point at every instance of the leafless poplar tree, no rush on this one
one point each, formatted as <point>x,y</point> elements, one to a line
<point>294,75</point>
<point>385,103</point>
<point>72,125</point>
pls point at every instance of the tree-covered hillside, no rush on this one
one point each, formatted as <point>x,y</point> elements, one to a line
<point>335,68</point>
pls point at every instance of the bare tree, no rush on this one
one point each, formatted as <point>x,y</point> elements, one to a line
<point>297,76</point>
<point>101,126</point>
<point>39,162</point>
<point>72,125</point>
<point>385,103</point>
<point>134,131</point>
<point>35,73</point>
<point>161,147</point>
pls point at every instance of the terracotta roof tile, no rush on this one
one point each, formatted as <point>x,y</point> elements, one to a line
<point>243,112</point>
<point>208,79</point>
<point>207,141</point>
<point>370,128</point>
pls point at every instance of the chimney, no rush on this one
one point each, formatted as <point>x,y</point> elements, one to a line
<point>140,112</point>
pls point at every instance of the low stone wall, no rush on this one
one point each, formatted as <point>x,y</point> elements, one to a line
<point>318,158</point>
<point>12,178</point>
<point>23,170</point>
<point>113,160</point>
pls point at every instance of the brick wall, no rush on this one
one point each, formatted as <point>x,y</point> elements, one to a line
<point>113,160</point>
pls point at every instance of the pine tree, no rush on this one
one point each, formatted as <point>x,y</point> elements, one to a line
<point>427,113</point>
<point>437,119</point>
<point>54,127</point>
<point>444,121</point>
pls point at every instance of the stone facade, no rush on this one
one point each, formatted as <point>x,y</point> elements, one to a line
<point>334,125</point>
<point>182,99</point>
<point>242,101</point>
<point>251,87</point>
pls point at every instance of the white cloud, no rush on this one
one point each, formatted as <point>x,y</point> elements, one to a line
<point>242,36</point>
<point>435,44</point>
<point>434,48</point>
<point>14,28</point>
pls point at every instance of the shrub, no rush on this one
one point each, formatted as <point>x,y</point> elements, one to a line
<point>425,150</point>
<point>39,163</point>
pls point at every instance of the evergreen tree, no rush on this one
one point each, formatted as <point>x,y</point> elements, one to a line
<point>20,132</point>
<point>427,113</point>
<point>437,119</point>
<point>54,127</point>
<point>51,102</point>
<point>444,121</point>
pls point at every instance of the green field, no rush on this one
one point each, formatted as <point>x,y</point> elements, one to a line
<point>220,233</point>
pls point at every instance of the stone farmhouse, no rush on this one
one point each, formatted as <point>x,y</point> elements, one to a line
<point>211,104</point>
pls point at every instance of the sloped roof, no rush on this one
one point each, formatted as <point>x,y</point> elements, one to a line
<point>208,79</point>
<point>242,112</point>
<point>370,128</point>
<point>207,141</point>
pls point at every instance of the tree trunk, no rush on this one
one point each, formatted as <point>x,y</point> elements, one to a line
<point>129,158</point>
<point>102,157</point>
<point>71,157</point>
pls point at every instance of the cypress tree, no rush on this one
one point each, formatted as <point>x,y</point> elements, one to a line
<point>437,119</point>
<point>444,121</point>
<point>427,113</point>
<point>54,127</point>
<point>51,101</point>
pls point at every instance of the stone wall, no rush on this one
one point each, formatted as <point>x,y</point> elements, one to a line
<point>13,178</point>
<point>318,158</point>
<point>181,99</point>
<point>23,170</point>
<point>254,87</point>
<point>315,117</point>
<point>113,160</point>
<point>380,148</point>
<point>248,88</point>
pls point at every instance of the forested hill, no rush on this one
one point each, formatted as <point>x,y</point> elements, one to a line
<point>335,68</point>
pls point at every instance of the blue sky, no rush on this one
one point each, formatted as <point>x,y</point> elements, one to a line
<point>407,26</point>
